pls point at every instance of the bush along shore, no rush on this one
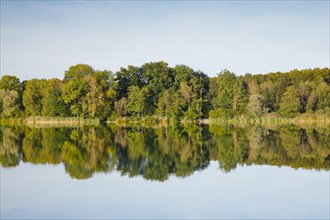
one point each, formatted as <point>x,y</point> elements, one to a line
<point>156,92</point>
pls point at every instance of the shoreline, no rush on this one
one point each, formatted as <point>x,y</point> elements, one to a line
<point>159,121</point>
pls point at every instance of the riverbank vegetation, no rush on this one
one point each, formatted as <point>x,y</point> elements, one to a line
<point>161,93</point>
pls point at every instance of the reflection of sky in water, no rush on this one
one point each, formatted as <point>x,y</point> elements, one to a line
<point>30,191</point>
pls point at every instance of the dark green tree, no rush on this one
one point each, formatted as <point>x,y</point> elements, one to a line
<point>33,96</point>
<point>52,102</point>
<point>137,101</point>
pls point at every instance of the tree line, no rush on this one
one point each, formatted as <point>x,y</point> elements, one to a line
<point>155,89</point>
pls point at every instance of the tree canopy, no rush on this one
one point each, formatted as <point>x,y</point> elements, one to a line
<point>156,89</point>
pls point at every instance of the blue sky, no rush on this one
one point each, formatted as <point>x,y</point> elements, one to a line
<point>43,39</point>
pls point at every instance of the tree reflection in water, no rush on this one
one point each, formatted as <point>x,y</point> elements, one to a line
<point>157,153</point>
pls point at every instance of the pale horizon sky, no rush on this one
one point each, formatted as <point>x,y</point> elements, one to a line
<point>42,39</point>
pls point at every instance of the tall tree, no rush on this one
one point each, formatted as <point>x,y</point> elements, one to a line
<point>94,99</point>
<point>268,91</point>
<point>73,95</point>
<point>256,105</point>
<point>225,96</point>
<point>290,103</point>
<point>109,88</point>
<point>32,96</point>
<point>186,92</point>
<point>304,91</point>
<point>52,103</point>
<point>240,99</point>
<point>130,76</point>
<point>323,94</point>
<point>164,103</point>
<point>252,84</point>
<point>137,101</point>
<point>159,78</point>
<point>75,87</point>
<point>181,73</point>
<point>77,72</point>
<point>10,83</point>
<point>9,103</point>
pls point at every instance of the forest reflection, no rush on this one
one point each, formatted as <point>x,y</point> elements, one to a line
<point>157,153</point>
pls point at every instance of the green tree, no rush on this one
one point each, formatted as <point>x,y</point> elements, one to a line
<point>77,72</point>
<point>158,78</point>
<point>32,96</point>
<point>130,76</point>
<point>240,99</point>
<point>323,94</point>
<point>164,103</point>
<point>304,91</point>
<point>94,100</point>
<point>252,84</point>
<point>290,103</point>
<point>256,105</point>
<point>52,103</point>
<point>213,91</point>
<point>186,92</point>
<point>137,101</point>
<point>76,87</point>
<point>10,83</point>
<point>9,103</point>
<point>225,96</point>
<point>194,110</point>
<point>109,88</point>
<point>311,105</point>
<point>178,106</point>
<point>268,91</point>
<point>182,73</point>
<point>73,95</point>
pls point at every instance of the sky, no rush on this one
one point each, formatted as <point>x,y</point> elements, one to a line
<point>42,39</point>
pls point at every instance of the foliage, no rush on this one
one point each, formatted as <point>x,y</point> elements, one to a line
<point>9,103</point>
<point>33,96</point>
<point>290,104</point>
<point>52,102</point>
<point>256,105</point>
<point>173,93</point>
<point>137,100</point>
<point>225,95</point>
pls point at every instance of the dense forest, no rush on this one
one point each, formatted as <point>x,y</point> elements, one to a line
<point>157,153</point>
<point>155,89</point>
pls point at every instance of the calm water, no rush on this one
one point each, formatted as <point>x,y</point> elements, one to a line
<point>174,172</point>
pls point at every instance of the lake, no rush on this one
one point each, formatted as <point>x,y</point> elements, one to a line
<point>181,172</point>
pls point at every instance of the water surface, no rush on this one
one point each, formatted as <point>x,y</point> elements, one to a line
<point>167,172</point>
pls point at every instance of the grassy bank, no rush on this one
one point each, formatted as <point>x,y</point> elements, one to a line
<point>147,121</point>
<point>50,121</point>
<point>269,118</point>
<point>303,119</point>
<point>157,121</point>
